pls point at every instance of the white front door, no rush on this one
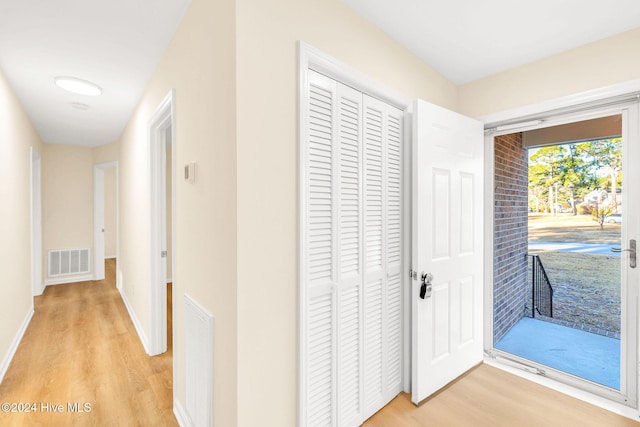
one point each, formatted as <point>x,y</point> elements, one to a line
<point>447,246</point>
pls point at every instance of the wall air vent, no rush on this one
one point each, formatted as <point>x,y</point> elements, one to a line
<point>198,353</point>
<point>65,262</point>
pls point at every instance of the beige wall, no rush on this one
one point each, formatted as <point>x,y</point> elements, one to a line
<point>600,64</point>
<point>17,135</point>
<point>200,65</point>
<point>67,198</point>
<point>106,153</point>
<point>268,31</point>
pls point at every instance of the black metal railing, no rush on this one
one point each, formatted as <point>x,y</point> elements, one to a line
<point>541,289</point>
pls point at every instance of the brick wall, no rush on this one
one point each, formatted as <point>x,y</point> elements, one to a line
<point>511,291</point>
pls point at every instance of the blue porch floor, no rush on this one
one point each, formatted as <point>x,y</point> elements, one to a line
<point>589,356</point>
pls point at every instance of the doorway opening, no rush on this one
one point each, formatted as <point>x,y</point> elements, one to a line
<point>105,216</point>
<point>561,300</point>
<point>162,150</point>
<point>36,224</point>
<point>168,179</point>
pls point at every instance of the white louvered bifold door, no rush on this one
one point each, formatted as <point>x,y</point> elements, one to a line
<point>382,291</point>
<point>319,261</point>
<point>350,244</point>
<point>349,174</point>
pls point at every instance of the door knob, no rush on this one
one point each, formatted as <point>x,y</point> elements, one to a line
<point>425,287</point>
<point>631,250</point>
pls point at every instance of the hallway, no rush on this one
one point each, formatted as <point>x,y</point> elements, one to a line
<point>81,347</point>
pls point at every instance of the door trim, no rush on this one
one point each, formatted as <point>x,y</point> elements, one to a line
<point>628,89</point>
<point>37,285</point>
<point>581,106</point>
<point>310,58</point>
<point>98,217</point>
<point>160,121</point>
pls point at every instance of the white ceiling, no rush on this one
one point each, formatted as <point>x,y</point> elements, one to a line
<point>116,44</point>
<point>466,40</point>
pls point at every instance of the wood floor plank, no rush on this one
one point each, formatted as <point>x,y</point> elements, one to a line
<point>487,396</point>
<point>81,347</point>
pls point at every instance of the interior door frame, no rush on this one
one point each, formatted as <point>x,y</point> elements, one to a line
<point>37,285</point>
<point>567,109</point>
<point>310,58</point>
<point>98,217</point>
<point>161,120</point>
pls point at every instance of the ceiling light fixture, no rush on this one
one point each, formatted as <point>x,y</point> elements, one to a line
<point>79,86</point>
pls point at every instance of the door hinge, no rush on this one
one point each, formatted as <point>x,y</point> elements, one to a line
<point>413,274</point>
<point>163,254</point>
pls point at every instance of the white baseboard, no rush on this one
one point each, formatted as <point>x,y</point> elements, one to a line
<point>110,257</point>
<point>181,415</point>
<point>14,344</point>
<point>169,280</point>
<point>40,290</point>
<point>136,323</point>
<point>72,279</point>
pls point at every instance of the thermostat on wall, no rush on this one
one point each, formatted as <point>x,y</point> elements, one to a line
<point>190,172</point>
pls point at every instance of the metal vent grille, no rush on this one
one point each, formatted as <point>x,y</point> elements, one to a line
<point>66,262</point>
<point>198,343</point>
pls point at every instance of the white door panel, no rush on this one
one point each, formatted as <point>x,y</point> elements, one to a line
<point>447,230</point>
<point>98,223</point>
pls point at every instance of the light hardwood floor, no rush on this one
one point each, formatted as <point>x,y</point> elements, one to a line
<point>487,396</point>
<point>81,347</point>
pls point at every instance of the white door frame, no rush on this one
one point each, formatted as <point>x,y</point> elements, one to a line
<point>36,221</point>
<point>314,59</point>
<point>98,217</point>
<point>162,119</point>
<point>577,106</point>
